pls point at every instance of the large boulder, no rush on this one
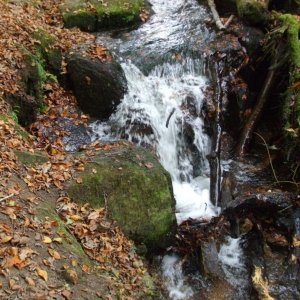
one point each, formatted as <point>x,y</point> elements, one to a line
<point>95,15</point>
<point>134,188</point>
<point>98,86</point>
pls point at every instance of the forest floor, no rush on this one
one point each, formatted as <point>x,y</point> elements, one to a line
<point>40,257</point>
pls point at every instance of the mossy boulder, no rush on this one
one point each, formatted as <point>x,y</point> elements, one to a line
<point>48,49</point>
<point>38,65</point>
<point>98,86</point>
<point>135,189</point>
<point>95,15</point>
<point>253,11</point>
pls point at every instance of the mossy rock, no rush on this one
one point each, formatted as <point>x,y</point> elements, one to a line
<point>34,77</point>
<point>253,11</point>
<point>48,49</point>
<point>31,158</point>
<point>94,15</point>
<point>136,190</point>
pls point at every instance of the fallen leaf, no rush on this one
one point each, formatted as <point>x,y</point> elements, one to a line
<point>6,239</point>
<point>42,273</point>
<point>79,180</point>
<point>11,262</point>
<point>54,253</point>
<point>149,165</point>
<point>85,268</point>
<point>75,217</point>
<point>47,240</point>
<point>29,281</point>
<point>58,240</point>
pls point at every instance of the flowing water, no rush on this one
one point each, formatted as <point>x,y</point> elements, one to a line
<point>163,108</point>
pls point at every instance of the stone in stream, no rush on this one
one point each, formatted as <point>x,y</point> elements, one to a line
<point>98,86</point>
<point>97,15</point>
<point>136,191</point>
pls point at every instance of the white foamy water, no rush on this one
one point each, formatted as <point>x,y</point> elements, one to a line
<point>163,109</point>
<point>232,259</point>
<point>174,279</point>
<point>174,90</point>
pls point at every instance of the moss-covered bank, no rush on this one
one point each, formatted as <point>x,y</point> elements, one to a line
<point>95,15</point>
<point>40,64</point>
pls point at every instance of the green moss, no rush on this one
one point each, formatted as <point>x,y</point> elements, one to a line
<point>139,199</point>
<point>253,11</point>
<point>47,49</point>
<point>110,14</point>
<point>85,20</point>
<point>34,77</point>
<point>69,242</point>
<point>30,159</point>
<point>291,27</point>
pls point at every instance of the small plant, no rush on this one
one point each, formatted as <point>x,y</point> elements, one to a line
<point>14,115</point>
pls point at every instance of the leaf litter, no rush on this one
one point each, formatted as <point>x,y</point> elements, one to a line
<point>33,257</point>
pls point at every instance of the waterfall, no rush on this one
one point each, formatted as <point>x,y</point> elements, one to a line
<point>160,110</point>
<point>163,109</point>
<point>175,282</point>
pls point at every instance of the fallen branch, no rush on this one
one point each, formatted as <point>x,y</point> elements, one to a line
<point>7,197</point>
<point>251,123</point>
<point>219,24</point>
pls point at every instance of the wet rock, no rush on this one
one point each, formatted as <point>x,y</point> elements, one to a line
<point>282,271</point>
<point>209,260</point>
<point>276,239</point>
<point>246,226</point>
<point>253,11</point>
<point>77,137</point>
<point>98,86</point>
<point>136,190</point>
<point>24,107</point>
<point>108,15</point>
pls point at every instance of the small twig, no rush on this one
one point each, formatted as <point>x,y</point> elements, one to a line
<point>271,163</point>
<point>170,115</point>
<point>106,204</point>
<point>269,155</point>
<point>286,208</point>
<point>295,173</point>
<point>7,197</point>
<point>228,21</point>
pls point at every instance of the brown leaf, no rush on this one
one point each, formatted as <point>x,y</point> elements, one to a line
<point>47,240</point>
<point>6,239</point>
<point>149,165</point>
<point>11,261</point>
<point>54,253</point>
<point>29,281</point>
<point>79,180</point>
<point>42,273</point>
<point>85,268</point>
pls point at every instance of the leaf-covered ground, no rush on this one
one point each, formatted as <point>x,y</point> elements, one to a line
<point>51,248</point>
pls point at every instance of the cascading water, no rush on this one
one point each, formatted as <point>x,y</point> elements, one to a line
<point>167,95</point>
<point>163,108</point>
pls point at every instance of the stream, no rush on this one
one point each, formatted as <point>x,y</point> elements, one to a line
<point>163,109</point>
